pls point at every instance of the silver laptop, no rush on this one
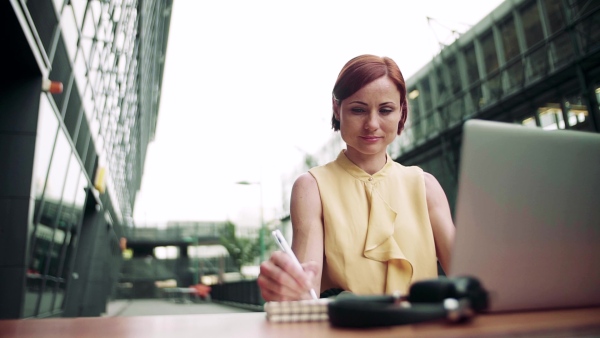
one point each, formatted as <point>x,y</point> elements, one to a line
<point>528,215</point>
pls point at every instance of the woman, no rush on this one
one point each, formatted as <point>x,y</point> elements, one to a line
<point>363,223</point>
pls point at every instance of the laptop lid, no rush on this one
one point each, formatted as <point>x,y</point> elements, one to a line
<point>528,215</point>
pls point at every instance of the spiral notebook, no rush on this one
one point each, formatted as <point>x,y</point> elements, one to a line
<point>298,311</point>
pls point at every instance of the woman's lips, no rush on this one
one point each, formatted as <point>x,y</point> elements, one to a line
<point>371,138</point>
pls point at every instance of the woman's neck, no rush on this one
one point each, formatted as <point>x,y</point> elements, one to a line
<point>370,163</point>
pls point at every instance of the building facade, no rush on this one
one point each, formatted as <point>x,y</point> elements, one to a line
<point>531,62</point>
<point>73,159</point>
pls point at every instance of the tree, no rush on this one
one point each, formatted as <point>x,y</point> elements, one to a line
<point>310,161</point>
<point>242,250</point>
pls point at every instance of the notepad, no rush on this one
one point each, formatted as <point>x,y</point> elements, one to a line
<point>298,311</point>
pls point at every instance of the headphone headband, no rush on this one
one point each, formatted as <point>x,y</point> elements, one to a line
<point>455,299</point>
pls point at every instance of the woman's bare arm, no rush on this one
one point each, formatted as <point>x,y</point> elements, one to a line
<point>279,278</point>
<point>441,220</point>
<point>307,224</point>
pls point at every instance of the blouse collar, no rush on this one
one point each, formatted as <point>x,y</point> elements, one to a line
<point>359,173</point>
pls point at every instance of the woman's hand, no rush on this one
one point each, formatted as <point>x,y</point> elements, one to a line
<point>281,280</point>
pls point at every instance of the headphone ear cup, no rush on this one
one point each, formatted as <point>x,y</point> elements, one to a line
<point>357,313</point>
<point>472,289</point>
<point>437,290</point>
<point>432,291</point>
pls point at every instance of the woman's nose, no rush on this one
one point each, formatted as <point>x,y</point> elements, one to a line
<point>372,122</point>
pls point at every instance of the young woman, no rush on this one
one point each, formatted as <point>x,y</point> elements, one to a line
<point>363,223</point>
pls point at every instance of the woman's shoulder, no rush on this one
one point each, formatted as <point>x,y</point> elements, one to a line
<point>430,181</point>
<point>305,182</point>
<point>329,168</point>
<point>408,170</point>
<point>305,193</point>
<point>305,179</point>
<point>433,190</point>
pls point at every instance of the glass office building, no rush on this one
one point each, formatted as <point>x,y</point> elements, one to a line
<point>73,159</point>
<point>532,62</point>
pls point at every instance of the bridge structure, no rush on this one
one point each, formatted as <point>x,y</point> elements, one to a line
<point>143,273</point>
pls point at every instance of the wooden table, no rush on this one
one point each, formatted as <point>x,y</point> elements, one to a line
<point>560,323</point>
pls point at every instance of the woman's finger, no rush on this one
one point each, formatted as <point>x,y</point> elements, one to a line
<point>273,291</point>
<point>287,264</point>
<point>278,282</point>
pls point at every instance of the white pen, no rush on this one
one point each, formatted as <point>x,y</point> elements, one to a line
<point>285,247</point>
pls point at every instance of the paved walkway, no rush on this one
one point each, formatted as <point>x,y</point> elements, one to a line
<point>154,307</point>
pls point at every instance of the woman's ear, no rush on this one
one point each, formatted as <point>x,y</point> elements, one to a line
<point>336,108</point>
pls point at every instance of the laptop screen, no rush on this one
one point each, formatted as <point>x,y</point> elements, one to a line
<point>528,215</point>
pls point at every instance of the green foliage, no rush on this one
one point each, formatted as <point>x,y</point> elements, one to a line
<point>243,250</point>
<point>310,161</point>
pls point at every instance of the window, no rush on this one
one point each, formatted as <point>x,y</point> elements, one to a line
<point>426,95</point>
<point>58,5</point>
<point>489,52</point>
<point>46,134</point>
<point>454,75</point>
<point>556,20</point>
<point>509,39</point>
<point>72,114</point>
<point>166,252</point>
<point>514,74</point>
<point>61,71</point>
<point>589,28</point>
<point>78,10</point>
<point>477,99</point>
<point>414,112</point>
<point>441,86</point>
<point>529,122</point>
<point>550,117</point>
<point>530,17</point>
<point>582,7</point>
<point>69,31</point>
<point>45,24</point>
<point>80,71</point>
<point>471,61</point>
<point>577,113</point>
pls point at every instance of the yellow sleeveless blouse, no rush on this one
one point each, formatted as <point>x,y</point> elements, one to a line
<point>377,234</point>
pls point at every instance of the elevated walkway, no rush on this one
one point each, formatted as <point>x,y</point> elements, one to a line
<point>175,234</point>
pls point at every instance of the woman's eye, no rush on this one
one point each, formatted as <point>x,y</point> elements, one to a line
<point>386,111</point>
<point>357,110</point>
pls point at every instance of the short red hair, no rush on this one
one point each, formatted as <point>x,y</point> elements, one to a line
<point>359,72</point>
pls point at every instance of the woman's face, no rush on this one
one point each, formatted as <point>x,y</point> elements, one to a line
<point>369,118</point>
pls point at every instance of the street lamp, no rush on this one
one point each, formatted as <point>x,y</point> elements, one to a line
<point>261,230</point>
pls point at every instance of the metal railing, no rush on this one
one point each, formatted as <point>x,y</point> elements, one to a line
<point>244,293</point>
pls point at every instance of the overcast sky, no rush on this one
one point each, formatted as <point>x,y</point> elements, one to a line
<point>247,89</point>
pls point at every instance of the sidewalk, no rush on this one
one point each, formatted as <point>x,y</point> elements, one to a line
<point>154,307</point>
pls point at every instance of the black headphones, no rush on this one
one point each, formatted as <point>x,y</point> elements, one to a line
<point>456,299</point>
